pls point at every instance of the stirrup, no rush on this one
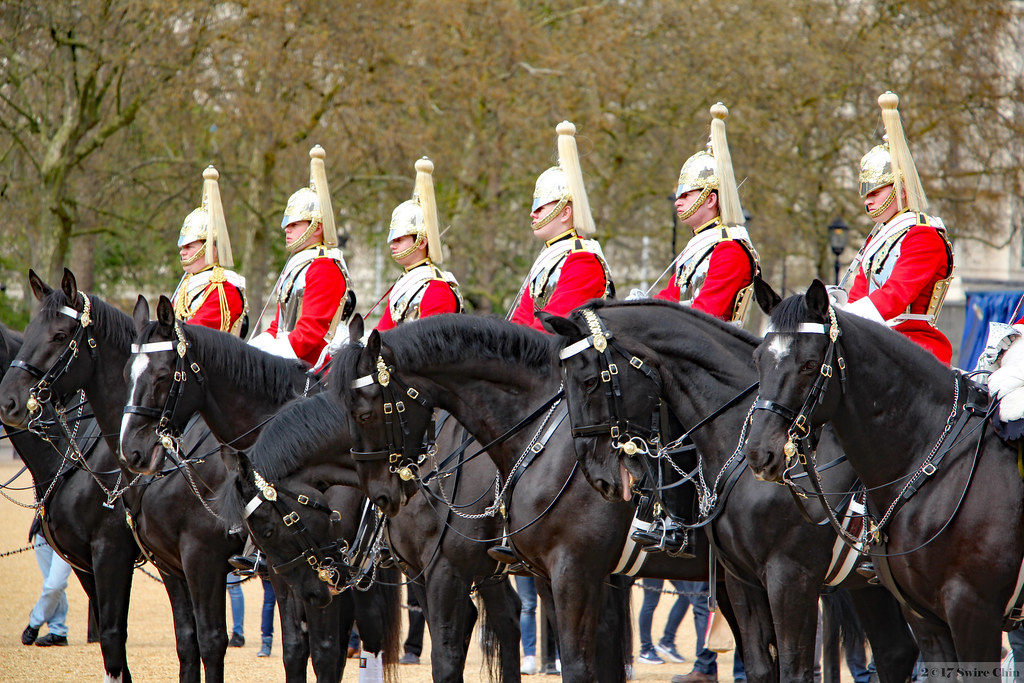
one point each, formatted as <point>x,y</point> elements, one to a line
<point>503,554</point>
<point>867,569</point>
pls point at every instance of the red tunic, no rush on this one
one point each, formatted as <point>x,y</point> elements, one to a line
<point>208,314</point>
<point>580,280</point>
<point>438,298</point>
<point>922,262</point>
<point>324,293</point>
<point>729,271</point>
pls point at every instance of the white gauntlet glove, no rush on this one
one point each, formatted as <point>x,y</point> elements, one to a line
<point>278,346</point>
<point>837,296</point>
<point>637,295</point>
<point>1007,382</point>
<point>1000,337</point>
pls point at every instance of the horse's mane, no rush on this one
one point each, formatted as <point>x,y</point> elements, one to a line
<point>787,316</point>
<point>450,340</point>
<point>253,371</point>
<point>677,309</point>
<point>304,426</point>
<point>115,325</point>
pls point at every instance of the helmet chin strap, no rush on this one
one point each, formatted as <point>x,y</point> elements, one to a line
<point>885,205</point>
<point>683,215</point>
<point>298,243</point>
<point>420,239</point>
<point>553,214</point>
<point>194,257</point>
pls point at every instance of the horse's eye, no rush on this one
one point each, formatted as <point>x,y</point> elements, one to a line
<point>363,418</point>
<point>810,365</point>
<point>590,383</point>
<point>59,337</point>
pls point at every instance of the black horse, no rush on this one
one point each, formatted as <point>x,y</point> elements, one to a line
<point>490,374</point>
<point>81,342</point>
<point>777,560</point>
<point>945,497</point>
<point>237,389</point>
<point>80,523</point>
<point>436,550</point>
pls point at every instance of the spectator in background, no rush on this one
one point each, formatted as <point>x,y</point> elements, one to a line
<point>267,620</point>
<point>666,647</point>
<point>52,606</point>
<point>237,600</point>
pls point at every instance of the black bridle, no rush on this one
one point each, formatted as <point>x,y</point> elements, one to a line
<point>628,436</point>
<point>803,439</point>
<point>171,423</point>
<point>404,458</point>
<point>42,392</point>
<point>320,558</point>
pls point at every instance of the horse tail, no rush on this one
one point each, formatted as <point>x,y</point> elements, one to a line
<point>615,629</point>
<point>388,596</point>
<point>490,640</point>
<point>840,623</point>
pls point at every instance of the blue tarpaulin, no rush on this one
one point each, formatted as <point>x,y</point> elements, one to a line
<point>983,308</point>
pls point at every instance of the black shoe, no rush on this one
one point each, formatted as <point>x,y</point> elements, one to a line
<point>646,538</point>
<point>867,569</point>
<point>237,640</point>
<point>51,639</point>
<point>502,553</point>
<point>29,635</point>
<point>249,565</point>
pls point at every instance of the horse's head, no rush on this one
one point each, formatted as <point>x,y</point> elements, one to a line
<point>58,354</point>
<point>795,364</point>
<point>163,388</point>
<point>613,401</point>
<point>291,523</point>
<point>389,421</point>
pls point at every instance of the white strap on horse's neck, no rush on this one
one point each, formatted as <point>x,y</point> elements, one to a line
<point>153,347</point>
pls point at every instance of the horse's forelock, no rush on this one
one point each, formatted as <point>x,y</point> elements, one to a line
<point>344,369</point>
<point>229,503</point>
<point>789,314</point>
<point>110,322</point>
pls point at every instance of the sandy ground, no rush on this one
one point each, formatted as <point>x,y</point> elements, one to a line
<point>151,638</point>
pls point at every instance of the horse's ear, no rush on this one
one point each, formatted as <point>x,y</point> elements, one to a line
<point>39,288</point>
<point>356,328</point>
<point>564,327</point>
<point>816,301</point>
<point>373,344</point>
<point>70,286</point>
<point>141,313</point>
<point>165,312</point>
<point>766,297</point>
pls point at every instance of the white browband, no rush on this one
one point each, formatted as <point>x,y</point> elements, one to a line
<point>364,381</point>
<point>572,349</point>
<point>253,504</point>
<point>802,328</point>
<point>70,312</point>
<point>153,347</point>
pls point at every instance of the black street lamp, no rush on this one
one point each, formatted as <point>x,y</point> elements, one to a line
<point>837,231</point>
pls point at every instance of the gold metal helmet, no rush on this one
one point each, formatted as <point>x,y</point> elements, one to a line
<point>418,216</point>
<point>698,173</point>
<point>207,223</point>
<point>891,163</point>
<point>312,203</point>
<point>564,184</point>
<point>711,170</point>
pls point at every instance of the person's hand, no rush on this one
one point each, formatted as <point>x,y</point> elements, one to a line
<point>1007,382</point>
<point>1000,338</point>
<point>636,294</point>
<point>837,296</point>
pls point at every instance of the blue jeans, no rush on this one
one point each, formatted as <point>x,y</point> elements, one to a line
<point>237,605</point>
<point>1016,639</point>
<point>267,623</point>
<point>652,596</point>
<point>527,589</point>
<point>707,661</point>
<point>52,606</point>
